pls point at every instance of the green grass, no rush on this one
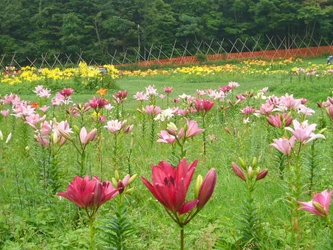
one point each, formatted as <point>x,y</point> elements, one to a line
<point>32,216</point>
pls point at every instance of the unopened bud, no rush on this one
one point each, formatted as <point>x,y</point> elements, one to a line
<point>262,174</point>
<point>76,129</point>
<point>197,186</point>
<point>254,162</point>
<point>9,137</point>
<point>129,191</point>
<point>121,187</point>
<point>114,182</point>
<point>172,129</point>
<point>319,208</point>
<point>133,177</point>
<point>250,172</point>
<point>238,171</point>
<point>242,163</point>
<point>116,175</point>
<point>1,136</point>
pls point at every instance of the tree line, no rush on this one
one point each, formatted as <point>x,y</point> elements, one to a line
<point>35,27</point>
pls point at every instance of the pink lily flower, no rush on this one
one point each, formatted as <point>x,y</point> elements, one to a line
<point>5,113</point>
<point>168,90</point>
<point>192,129</point>
<point>66,92</point>
<point>165,137</point>
<point>284,145</point>
<point>280,120</point>
<point>89,193</point>
<point>248,110</point>
<point>151,90</point>
<point>329,110</point>
<point>141,96</point>
<point>115,126</point>
<point>304,132</point>
<point>203,105</point>
<point>86,137</point>
<point>319,205</point>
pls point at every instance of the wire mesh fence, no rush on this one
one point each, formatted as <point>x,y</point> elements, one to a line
<point>182,53</point>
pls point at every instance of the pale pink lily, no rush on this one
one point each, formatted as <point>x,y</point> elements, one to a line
<point>329,110</point>
<point>22,110</point>
<point>44,93</point>
<point>153,110</point>
<point>33,119</point>
<point>151,90</point>
<point>302,109</point>
<point>44,108</point>
<point>289,102</point>
<point>5,113</point>
<point>233,85</point>
<point>248,110</point>
<point>115,126</point>
<point>165,137</point>
<point>192,129</point>
<point>86,137</point>
<point>141,96</point>
<point>266,108</point>
<point>58,100</point>
<point>284,145</point>
<point>319,205</point>
<point>304,132</point>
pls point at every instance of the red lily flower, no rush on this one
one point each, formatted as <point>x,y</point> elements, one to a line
<point>170,185</point>
<point>88,193</point>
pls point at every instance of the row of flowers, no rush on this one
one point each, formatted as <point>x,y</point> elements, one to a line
<point>251,67</point>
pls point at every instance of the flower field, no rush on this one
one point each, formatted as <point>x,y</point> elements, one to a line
<point>234,156</point>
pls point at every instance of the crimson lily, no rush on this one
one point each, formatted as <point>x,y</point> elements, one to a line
<point>89,193</point>
<point>170,185</point>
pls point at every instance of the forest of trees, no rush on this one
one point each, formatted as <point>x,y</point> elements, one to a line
<point>33,27</point>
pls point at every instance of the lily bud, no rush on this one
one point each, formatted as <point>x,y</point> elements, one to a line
<point>133,177</point>
<point>319,208</point>
<point>262,174</point>
<point>238,171</point>
<point>207,188</point>
<point>54,138</point>
<point>64,134</point>
<point>172,129</point>
<point>114,182</point>
<point>242,163</point>
<point>120,187</point>
<point>254,162</point>
<point>76,129</point>
<point>1,136</point>
<point>250,172</point>
<point>8,138</point>
<point>129,191</point>
<point>116,175</point>
<point>197,186</point>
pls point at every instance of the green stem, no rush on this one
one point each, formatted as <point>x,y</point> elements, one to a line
<point>330,227</point>
<point>182,238</point>
<point>115,150</point>
<point>204,135</point>
<point>92,233</point>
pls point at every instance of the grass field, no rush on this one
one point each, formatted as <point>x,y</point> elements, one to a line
<point>251,214</point>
